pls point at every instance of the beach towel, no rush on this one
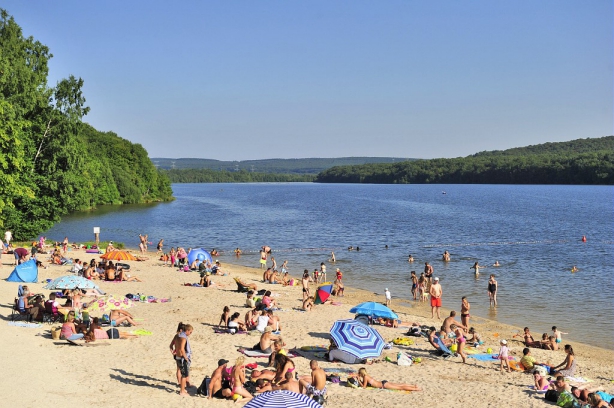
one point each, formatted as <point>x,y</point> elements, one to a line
<point>314,348</point>
<point>577,379</point>
<point>141,332</point>
<point>487,357</point>
<point>261,354</point>
<point>27,325</point>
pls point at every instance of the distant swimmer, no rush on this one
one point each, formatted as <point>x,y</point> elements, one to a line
<point>238,251</point>
<point>410,258</point>
<point>574,269</point>
<point>332,257</point>
<point>350,248</point>
<point>358,248</point>
<point>443,192</point>
<point>477,267</point>
<point>583,238</point>
<point>496,263</point>
<point>385,246</point>
<point>446,256</point>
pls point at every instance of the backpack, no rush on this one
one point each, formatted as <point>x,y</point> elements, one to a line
<point>552,395</point>
<point>203,390</point>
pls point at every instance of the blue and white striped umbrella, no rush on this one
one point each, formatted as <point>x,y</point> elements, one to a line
<point>357,339</point>
<point>71,282</point>
<point>282,399</point>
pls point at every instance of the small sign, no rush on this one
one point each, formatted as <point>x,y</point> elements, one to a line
<point>96,230</point>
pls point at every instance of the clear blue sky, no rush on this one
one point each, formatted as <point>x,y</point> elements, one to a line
<point>238,80</point>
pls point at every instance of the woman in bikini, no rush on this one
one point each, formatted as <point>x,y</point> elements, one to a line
<point>283,364</point>
<point>225,317</point>
<point>541,383</point>
<point>237,379</point>
<point>364,379</point>
<point>460,339</point>
<point>465,306</point>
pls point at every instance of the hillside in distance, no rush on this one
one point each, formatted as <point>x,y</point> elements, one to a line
<point>280,166</point>
<point>581,161</point>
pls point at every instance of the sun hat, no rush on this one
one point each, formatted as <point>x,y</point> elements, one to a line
<point>503,341</point>
<point>436,278</point>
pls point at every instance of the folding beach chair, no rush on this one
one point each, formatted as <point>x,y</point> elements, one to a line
<point>444,349</point>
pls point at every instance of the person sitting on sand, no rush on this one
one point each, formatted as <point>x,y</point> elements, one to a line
<point>110,247</point>
<point>117,317</point>
<point>283,364</point>
<point>278,348</point>
<point>70,329</point>
<point>250,301</point>
<point>24,306</point>
<point>274,321</point>
<point>225,318</point>
<point>528,361</point>
<point>234,324</point>
<point>238,379</point>
<point>364,379</point>
<point>251,318</point>
<point>308,304</point>
<point>266,340</point>
<point>205,280</point>
<point>338,288</point>
<point>554,346</point>
<point>122,276</point>
<point>274,277</point>
<point>568,365</point>
<point>528,339</point>
<point>268,301</point>
<point>314,385</point>
<point>110,271</point>
<point>266,276</point>
<point>476,339</point>
<point>595,401</point>
<point>218,386</point>
<point>560,385</point>
<point>252,285</point>
<point>540,383</point>
<point>442,336</point>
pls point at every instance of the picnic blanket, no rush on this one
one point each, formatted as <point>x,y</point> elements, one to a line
<point>487,357</point>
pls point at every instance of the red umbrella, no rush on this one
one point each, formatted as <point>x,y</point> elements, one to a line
<point>323,292</point>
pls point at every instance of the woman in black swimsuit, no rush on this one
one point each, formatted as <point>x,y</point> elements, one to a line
<point>492,290</point>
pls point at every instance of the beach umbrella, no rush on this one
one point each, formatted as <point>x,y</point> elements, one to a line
<point>110,302</point>
<point>323,292</point>
<point>374,309</point>
<point>71,282</point>
<point>282,399</point>
<point>357,338</point>
<point>199,253</point>
<point>118,255</point>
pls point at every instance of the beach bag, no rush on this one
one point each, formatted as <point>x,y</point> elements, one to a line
<point>203,390</point>
<point>403,360</point>
<point>552,395</point>
<point>352,382</point>
<point>565,400</point>
<point>113,334</point>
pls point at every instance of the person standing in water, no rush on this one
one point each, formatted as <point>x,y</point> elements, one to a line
<point>492,290</point>
<point>477,267</point>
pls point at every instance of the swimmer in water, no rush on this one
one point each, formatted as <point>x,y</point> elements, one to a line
<point>574,269</point>
<point>332,257</point>
<point>410,259</point>
<point>477,267</point>
<point>496,263</point>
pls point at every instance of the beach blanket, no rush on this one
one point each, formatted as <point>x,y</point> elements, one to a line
<point>141,332</point>
<point>261,354</point>
<point>486,357</point>
<point>577,379</point>
<point>24,324</point>
<point>314,348</point>
<point>339,370</point>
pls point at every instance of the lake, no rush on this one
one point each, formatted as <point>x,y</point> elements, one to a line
<point>533,231</point>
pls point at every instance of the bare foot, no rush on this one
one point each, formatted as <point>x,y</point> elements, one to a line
<point>184,394</point>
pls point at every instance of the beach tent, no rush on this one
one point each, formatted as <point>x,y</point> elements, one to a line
<point>199,253</point>
<point>26,272</point>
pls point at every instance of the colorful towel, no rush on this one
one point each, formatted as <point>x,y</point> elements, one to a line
<point>24,324</point>
<point>141,332</point>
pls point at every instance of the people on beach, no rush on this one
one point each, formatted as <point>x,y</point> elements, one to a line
<point>446,256</point>
<point>475,339</point>
<point>527,361</point>
<point>225,317</point>
<point>465,316</point>
<point>451,320</point>
<point>364,380</point>
<point>180,329</point>
<point>315,384</point>
<point>436,292</point>
<point>263,259</point>
<point>338,287</point>
<point>219,387</point>
<point>183,356</point>
<point>492,290</point>
<point>388,297</point>
<point>503,356</point>
<point>557,334</point>
<point>119,316</point>
<point>159,247</point>
<point>414,284</point>
<point>460,341</point>
<point>238,379</point>
<point>428,273</point>
<point>305,282</point>
<point>568,366</point>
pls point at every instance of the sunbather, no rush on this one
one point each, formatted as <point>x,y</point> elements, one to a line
<point>234,324</point>
<point>364,379</point>
<point>70,330</point>
<point>119,316</point>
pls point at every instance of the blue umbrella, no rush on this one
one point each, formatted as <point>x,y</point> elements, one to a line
<point>199,253</point>
<point>374,309</point>
<point>71,282</point>
<point>357,339</point>
<point>282,399</point>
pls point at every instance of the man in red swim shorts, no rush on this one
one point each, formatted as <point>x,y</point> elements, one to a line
<point>435,293</point>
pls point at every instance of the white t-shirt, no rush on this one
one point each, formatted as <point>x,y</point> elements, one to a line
<point>387,295</point>
<point>263,321</point>
<point>8,236</point>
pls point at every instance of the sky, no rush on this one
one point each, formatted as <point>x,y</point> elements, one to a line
<point>246,80</point>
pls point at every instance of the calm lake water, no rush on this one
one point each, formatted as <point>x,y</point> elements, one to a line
<point>533,231</point>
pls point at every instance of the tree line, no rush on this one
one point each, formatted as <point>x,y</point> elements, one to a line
<point>51,162</point>
<point>241,176</point>
<point>584,161</point>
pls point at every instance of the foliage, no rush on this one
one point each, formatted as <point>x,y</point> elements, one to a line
<point>242,176</point>
<point>278,166</point>
<point>51,163</point>
<point>583,161</point>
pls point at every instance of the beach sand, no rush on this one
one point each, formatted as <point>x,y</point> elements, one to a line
<point>39,370</point>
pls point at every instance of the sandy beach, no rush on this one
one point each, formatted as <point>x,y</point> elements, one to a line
<point>113,372</point>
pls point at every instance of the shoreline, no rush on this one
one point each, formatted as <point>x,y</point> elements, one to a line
<point>140,368</point>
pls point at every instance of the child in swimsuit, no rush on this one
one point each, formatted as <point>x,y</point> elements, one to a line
<point>503,353</point>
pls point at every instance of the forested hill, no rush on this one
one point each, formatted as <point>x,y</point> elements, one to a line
<point>582,161</point>
<point>51,162</point>
<point>279,166</point>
